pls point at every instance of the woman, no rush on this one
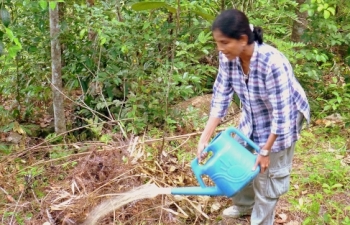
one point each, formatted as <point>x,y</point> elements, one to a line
<point>273,107</point>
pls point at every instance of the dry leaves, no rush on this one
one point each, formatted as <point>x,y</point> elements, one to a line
<point>345,161</point>
<point>331,120</point>
<point>46,121</point>
<point>282,218</point>
<point>10,198</point>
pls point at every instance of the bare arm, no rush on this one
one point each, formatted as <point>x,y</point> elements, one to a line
<point>268,145</point>
<point>209,129</point>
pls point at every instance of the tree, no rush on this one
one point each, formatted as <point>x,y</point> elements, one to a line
<point>300,24</point>
<point>58,105</point>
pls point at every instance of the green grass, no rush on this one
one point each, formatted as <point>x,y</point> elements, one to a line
<point>320,180</point>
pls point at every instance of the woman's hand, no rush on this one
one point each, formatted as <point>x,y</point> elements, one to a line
<point>263,161</point>
<point>200,154</point>
<point>205,137</point>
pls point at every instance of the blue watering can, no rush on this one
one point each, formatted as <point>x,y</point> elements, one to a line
<point>230,166</point>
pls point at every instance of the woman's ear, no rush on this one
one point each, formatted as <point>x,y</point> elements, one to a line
<point>244,40</point>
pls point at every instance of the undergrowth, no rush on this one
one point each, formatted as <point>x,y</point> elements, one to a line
<point>320,180</point>
<point>65,182</point>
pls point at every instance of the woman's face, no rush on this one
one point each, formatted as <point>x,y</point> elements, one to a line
<point>230,47</point>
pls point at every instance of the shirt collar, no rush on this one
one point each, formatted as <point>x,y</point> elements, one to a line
<point>253,59</point>
<point>255,53</point>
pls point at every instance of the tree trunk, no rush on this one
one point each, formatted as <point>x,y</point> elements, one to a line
<point>223,5</point>
<point>61,10</point>
<point>300,24</point>
<point>119,14</point>
<point>58,106</point>
<point>91,33</point>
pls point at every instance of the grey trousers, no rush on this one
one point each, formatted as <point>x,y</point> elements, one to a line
<point>263,193</point>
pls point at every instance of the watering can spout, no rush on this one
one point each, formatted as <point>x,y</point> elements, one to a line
<point>210,191</point>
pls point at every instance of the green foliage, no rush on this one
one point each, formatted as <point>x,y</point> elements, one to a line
<point>58,153</point>
<point>326,8</point>
<point>4,117</point>
<point>287,47</point>
<point>52,4</point>
<point>140,6</point>
<point>134,61</point>
<point>53,138</point>
<point>335,98</point>
<point>5,149</point>
<point>138,82</point>
<point>24,70</point>
<point>191,6</point>
<point>322,179</point>
<point>331,31</point>
<point>32,172</point>
<point>5,17</point>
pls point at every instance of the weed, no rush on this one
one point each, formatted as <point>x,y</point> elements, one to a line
<point>322,180</point>
<point>5,149</point>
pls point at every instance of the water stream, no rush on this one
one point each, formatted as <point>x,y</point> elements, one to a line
<point>144,191</point>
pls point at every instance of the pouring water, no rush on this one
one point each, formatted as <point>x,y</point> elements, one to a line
<point>110,205</point>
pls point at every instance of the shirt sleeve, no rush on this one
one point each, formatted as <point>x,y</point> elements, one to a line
<point>280,96</point>
<point>222,91</point>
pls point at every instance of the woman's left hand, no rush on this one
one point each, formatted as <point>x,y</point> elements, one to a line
<point>263,161</point>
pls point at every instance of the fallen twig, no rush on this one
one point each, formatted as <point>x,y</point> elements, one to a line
<point>3,190</point>
<point>112,148</point>
<point>14,211</point>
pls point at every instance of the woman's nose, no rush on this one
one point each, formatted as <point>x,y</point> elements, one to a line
<point>220,47</point>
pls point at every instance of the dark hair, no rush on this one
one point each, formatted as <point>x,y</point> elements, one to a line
<point>234,23</point>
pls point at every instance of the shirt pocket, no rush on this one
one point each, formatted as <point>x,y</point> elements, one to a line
<point>277,182</point>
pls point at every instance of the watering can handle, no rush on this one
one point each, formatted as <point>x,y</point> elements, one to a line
<point>199,169</point>
<point>245,138</point>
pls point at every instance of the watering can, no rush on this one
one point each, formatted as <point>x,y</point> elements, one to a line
<point>230,166</point>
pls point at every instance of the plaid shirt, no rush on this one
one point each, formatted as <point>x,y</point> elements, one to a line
<point>270,100</point>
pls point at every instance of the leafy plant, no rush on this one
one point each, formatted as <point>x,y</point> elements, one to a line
<point>335,98</point>
<point>123,75</point>
<point>327,8</point>
<point>323,178</point>
<point>192,7</point>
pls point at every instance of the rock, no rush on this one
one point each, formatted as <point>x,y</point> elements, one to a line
<point>14,138</point>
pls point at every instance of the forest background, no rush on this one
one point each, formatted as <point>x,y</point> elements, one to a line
<point>77,73</point>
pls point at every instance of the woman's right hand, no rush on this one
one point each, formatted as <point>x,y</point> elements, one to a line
<point>200,154</point>
<point>205,137</point>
